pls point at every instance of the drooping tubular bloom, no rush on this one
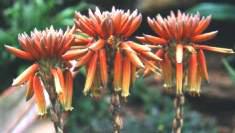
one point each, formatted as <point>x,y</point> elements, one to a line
<point>181,37</point>
<point>45,49</point>
<point>106,53</point>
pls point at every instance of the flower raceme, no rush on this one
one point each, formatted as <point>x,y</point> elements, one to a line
<point>45,48</point>
<point>181,35</point>
<point>106,53</point>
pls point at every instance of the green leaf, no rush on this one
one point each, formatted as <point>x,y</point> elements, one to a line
<point>6,37</point>
<point>230,70</point>
<point>65,17</point>
<point>218,11</point>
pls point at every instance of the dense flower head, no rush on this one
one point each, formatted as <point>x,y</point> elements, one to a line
<point>104,24</point>
<point>107,52</point>
<point>45,48</point>
<point>180,36</point>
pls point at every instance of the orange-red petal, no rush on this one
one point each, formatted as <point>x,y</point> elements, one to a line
<point>118,63</point>
<point>90,73</point>
<point>58,80</point>
<point>103,67</point>
<point>202,64</point>
<point>160,53</point>
<point>167,71</point>
<point>138,47</point>
<point>39,96</point>
<point>85,59</point>
<point>132,55</point>
<point>204,37</point>
<point>134,25</point>
<point>155,40</point>
<point>97,45</point>
<point>68,90</point>
<point>126,79</point>
<point>179,68</point>
<point>25,76</point>
<point>192,73</point>
<point>151,56</point>
<point>203,24</point>
<point>215,49</point>
<point>179,78</point>
<point>74,53</point>
<point>19,53</point>
<point>29,91</point>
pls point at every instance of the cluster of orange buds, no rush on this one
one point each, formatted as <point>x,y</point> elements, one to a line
<point>45,48</point>
<point>180,37</point>
<point>106,53</point>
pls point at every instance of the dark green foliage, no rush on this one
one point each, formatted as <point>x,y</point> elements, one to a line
<point>230,69</point>
<point>218,11</point>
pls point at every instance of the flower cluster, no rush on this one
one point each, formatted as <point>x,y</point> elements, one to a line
<point>100,43</point>
<point>181,36</point>
<point>107,51</point>
<point>45,48</point>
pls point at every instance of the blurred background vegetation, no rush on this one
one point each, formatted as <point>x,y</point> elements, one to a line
<point>149,109</point>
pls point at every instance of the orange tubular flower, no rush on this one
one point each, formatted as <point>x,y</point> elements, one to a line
<point>45,49</point>
<point>180,38</point>
<point>107,51</point>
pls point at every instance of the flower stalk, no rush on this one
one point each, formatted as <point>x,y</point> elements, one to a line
<point>116,107</point>
<point>178,120</point>
<point>57,114</point>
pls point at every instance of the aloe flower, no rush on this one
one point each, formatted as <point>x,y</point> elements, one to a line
<point>45,49</point>
<point>107,52</point>
<point>182,49</point>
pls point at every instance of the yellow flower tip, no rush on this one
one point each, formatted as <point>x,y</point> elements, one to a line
<point>159,59</point>
<point>194,93</point>
<point>125,94</point>
<point>68,108</point>
<point>166,85</point>
<point>231,51</point>
<point>117,89</point>
<point>42,112</point>
<point>85,92</point>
